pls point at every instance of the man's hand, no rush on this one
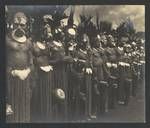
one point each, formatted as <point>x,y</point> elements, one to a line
<point>75,59</point>
<point>22,74</point>
<point>47,68</point>
<point>9,110</point>
<point>108,65</point>
<point>88,70</point>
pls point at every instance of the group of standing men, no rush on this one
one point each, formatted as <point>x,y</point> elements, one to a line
<point>63,74</point>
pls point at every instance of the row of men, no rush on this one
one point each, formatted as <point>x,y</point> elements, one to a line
<point>63,76</point>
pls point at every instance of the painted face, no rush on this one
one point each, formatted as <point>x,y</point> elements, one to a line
<point>19,24</point>
<point>20,21</point>
<point>84,41</point>
<point>104,40</point>
<point>111,41</point>
<point>98,41</point>
<point>59,34</point>
<point>47,31</point>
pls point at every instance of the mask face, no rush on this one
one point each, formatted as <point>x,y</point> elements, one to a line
<point>84,41</point>
<point>19,26</point>
<point>20,22</point>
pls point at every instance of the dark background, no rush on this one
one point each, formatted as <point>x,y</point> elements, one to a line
<point>72,125</point>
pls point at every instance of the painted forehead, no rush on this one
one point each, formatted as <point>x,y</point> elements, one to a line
<point>20,18</point>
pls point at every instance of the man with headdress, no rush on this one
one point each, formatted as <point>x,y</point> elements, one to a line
<point>137,62</point>
<point>142,59</point>
<point>128,73</point>
<point>83,73</point>
<point>73,92</point>
<point>104,76</point>
<point>124,80</point>
<point>19,64</point>
<point>42,93</point>
<point>120,54</point>
<point>58,25</point>
<point>59,60</point>
<point>113,69</point>
<point>99,83</point>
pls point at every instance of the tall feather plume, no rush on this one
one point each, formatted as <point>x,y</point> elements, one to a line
<point>70,19</point>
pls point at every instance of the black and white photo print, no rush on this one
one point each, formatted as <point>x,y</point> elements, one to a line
<point>75,63</point>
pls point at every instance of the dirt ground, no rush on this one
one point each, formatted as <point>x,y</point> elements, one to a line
<point>134,112</point>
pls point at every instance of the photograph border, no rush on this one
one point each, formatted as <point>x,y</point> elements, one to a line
<point>71,124</point>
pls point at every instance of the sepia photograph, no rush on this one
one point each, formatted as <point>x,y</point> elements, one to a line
<point>75,63</point>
